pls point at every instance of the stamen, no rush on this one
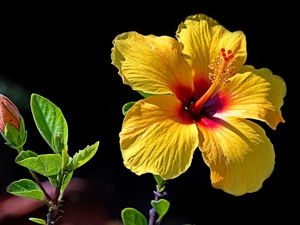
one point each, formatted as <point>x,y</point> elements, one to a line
<point>222,67</point>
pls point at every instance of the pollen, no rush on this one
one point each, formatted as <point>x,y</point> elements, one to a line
<point>222,67</point>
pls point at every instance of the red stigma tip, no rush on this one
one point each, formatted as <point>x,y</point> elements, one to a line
<point>227,56</point>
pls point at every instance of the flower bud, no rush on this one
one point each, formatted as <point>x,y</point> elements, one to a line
<point>12,126</point>
<point>9,113</point>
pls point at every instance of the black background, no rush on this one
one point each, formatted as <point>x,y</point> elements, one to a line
<point>62,52</point>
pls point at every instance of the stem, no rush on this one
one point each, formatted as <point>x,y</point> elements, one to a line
<point>153,216</point>
<point>52,212</point>
<point>19,149</point>
<point>52,203</point>
<point>57,189</point>
<point>53,206</point>
<point>50,217</point>
<point>38,182</point>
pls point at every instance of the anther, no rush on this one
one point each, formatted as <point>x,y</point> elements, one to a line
<point>222,67</point>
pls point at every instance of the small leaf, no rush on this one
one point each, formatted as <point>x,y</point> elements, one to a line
<point>23,132</point>
<point>126,107</point>
<point>25,188</point>
<point>49,121</point>
<point>161,207</point>
<point>65,158</point>
<point>84,155</point>
<point>160,182</point>
<point>145,95</point>
<point>54,180</point>
<point>46,164</point>
<point>67,179</point>
<point>131,216</point>
<point>26,154</point>
<point>37,220</point>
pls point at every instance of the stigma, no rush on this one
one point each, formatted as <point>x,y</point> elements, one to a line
<point>222,67</point>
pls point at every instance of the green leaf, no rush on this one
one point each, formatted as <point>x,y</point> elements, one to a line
<point>25,188</point>
<point>46,164</point>
<point>160,182</point>
<point>57,180</point>
<point>23,132</point>
<point>67,179</point>
<point>26,154</point>
<point>145,95</point>
<point>161,207</point>
<point>83,156</point>
<point>65,158</point>
<point>126,107</point>
<point>131,216</point>
<point>37,220</point>
<point>54,180</point>
<point>50,122</point>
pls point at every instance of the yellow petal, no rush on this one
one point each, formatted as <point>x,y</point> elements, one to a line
<point>255,94</point>
<point>203,38</point>
<point>151,64</point>
<point>238,153</point>
<point>156,139</point>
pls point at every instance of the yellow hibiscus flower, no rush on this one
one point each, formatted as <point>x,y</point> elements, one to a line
<point>203,96</point>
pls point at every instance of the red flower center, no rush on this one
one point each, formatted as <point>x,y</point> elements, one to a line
<point>205,99</point>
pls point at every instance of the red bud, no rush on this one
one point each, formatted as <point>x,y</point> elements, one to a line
<point>9,113</point>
